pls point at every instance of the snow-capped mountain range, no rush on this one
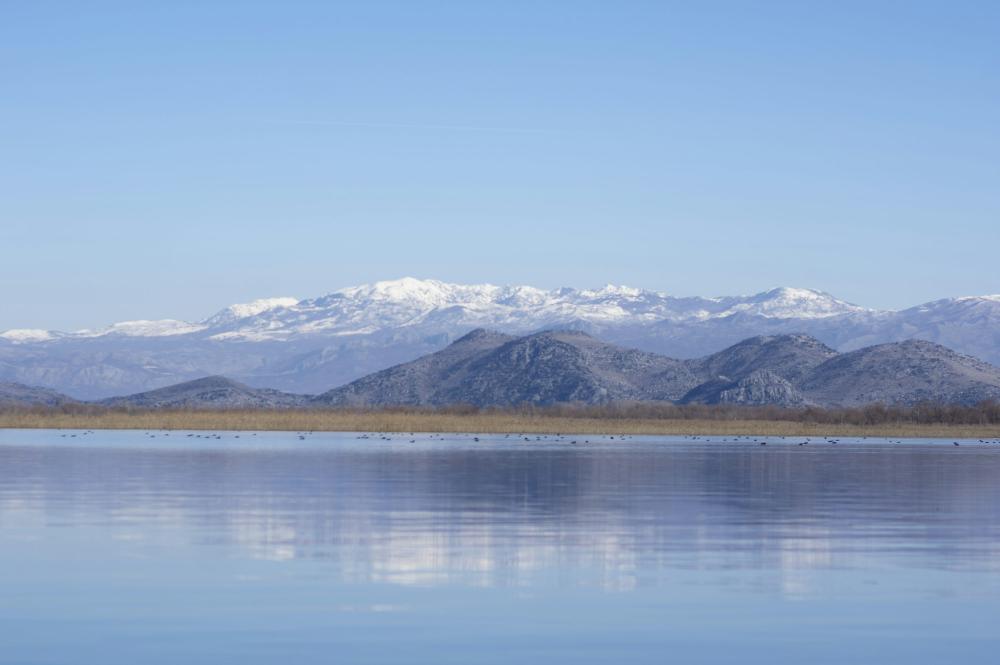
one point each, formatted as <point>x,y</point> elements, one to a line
<point>403,302</point>
<point>315,344</point>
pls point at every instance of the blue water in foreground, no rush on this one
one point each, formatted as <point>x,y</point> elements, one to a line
<point>122,547</point>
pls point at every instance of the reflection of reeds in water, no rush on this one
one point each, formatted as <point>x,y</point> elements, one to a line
<point>944,422</point>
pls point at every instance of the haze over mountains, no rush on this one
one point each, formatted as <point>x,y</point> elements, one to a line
<point>309,346</point>
<point>491,369</point>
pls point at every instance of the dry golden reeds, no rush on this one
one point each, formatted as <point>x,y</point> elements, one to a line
<point>981,421</point>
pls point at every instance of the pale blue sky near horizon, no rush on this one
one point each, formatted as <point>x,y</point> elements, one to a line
<point>163,160</point>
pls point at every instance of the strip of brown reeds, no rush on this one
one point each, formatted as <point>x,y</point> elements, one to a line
<point>980,421</point>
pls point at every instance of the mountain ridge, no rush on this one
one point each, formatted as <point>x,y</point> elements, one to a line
<point>21,395</point>
<point>311,344</point>
<point>216,392</point>
<point>554,367</point>
<point>424,296</point>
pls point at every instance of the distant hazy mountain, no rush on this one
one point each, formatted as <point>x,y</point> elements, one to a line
<point>315,344</point>
<point>20,395</point>
<point>212,392</point>
<point>491,369</point>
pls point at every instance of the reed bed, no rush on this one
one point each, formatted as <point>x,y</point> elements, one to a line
<point>966,422</point>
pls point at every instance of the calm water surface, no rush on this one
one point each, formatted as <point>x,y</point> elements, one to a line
<point>122,547</point>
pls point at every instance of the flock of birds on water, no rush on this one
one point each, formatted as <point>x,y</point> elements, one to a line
<point>548,438</point>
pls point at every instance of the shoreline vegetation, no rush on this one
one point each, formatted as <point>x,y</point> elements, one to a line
<point>937,421</point>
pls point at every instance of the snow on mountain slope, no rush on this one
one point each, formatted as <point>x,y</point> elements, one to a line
<point>789,303</point>
<point>950,309</point>
<point>410,302</point>
<point>407,302</point>
<point>143,328</point>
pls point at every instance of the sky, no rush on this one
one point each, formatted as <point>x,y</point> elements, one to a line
<point>166,159</point>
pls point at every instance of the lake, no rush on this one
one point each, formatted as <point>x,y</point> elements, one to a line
<point>128,547</point>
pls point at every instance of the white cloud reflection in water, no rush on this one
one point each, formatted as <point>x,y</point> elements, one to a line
<point>660,525</point>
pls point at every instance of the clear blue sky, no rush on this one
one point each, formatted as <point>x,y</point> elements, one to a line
<point>164,159</point>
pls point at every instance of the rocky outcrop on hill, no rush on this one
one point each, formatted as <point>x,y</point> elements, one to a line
<point>759,388</point>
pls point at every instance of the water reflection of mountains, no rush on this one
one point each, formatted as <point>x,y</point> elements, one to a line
<point>434,513</point>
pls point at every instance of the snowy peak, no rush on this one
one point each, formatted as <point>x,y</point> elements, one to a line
<point>612,291</point>
<point>246,310</point>
<point>791,303</point>
<point>405,290</point>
